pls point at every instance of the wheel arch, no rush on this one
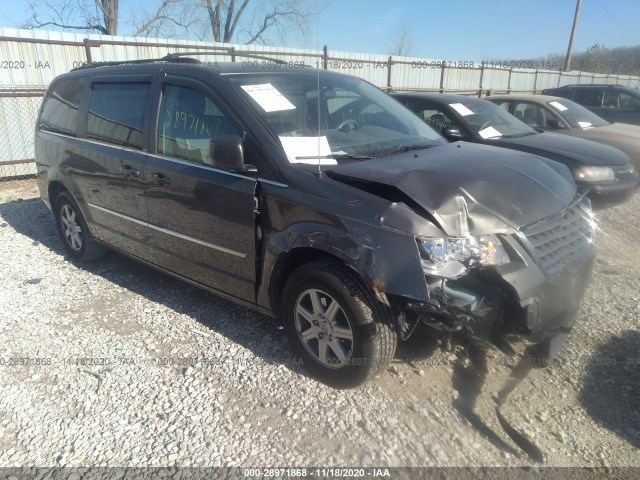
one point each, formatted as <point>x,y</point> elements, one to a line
<point>54,189</point>
<point>291,260</point>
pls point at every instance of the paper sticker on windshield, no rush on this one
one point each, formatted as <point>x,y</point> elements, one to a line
<point>268,97</point>
<point>558,106</point>
<point>461,109</point>
<point>585,125</point>
<point>314,147</point>
<point>489,132</point>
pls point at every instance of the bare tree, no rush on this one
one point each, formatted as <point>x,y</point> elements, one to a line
<point>240,21</point>
<point>98,15</point>
<point>402,45</point>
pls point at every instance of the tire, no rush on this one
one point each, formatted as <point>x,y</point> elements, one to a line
<point>341,330</point>
<point>74,232</point>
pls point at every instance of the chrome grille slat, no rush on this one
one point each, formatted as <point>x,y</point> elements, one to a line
<point>560,240</point>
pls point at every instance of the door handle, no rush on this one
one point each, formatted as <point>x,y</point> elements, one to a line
<point>158,179</point>
<point>129,171</point>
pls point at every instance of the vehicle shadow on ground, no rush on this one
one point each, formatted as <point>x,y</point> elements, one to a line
<point>258,333</point>
<point>468,379</point>
<point>611,393</point>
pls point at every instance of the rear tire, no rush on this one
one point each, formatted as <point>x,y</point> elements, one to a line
<point>73,230</point>
<point>340,329</point>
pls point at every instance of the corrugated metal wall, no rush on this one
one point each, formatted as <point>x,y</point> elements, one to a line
<point>30,59</point>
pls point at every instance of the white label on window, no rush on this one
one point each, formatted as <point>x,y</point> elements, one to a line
<point>585,125</point>
<point>268,97</point>
<point>307,147</point>
<point>489,132</point>
<point>461,109</point>
<point>558,106</point>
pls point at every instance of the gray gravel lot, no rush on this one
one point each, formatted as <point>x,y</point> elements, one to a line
<point>180,377</point>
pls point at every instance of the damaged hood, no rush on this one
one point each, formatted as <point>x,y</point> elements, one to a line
<point>498,187</point>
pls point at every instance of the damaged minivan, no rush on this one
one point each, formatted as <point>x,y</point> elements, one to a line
<point>315,198</point>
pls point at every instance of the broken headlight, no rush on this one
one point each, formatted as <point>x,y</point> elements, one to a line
<point>450,257</point>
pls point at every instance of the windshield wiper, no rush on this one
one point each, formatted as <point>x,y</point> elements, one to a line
<point>516,135</point>
<point>421,146</point>
<point>335,156</point>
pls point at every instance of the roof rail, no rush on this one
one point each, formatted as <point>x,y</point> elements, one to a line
<point>134,62</point>
<point>178,57</point>
<point>175,56</point>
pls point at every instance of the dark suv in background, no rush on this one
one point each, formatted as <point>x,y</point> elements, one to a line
<point>615,103</point>
<point>314,197</point>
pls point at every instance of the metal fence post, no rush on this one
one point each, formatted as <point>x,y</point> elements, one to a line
<point>325,58</point>
<point>481,78</point>
<point>233,54</point>
<point>442,67</point>
<point>87,49</point>
<point>509,82</point>
<point>389,63</point>
<point>535,82</point>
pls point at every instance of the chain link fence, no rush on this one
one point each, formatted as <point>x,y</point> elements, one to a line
<point>18,112</point>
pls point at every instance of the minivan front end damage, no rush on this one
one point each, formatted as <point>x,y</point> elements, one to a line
<point>491,290</point>
<point>495,289</point>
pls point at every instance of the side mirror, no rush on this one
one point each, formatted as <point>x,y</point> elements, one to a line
<point>452,133</point>
<point>226,152</point>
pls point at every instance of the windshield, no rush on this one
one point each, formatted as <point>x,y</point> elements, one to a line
<point>487,120</point>
<point>576,115</point>
<point>348,119</point>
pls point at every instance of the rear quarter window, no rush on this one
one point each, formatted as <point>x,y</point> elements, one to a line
<point>60,109</point>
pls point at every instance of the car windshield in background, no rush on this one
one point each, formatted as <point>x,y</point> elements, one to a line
<point>328,118</point>
<point>576,115</point>
<point>490,121</point>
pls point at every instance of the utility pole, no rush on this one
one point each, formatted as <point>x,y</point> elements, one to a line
<point>567,62</point>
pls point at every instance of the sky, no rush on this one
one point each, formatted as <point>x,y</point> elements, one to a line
<point>457,30</point>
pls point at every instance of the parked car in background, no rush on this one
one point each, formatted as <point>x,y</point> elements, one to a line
<point>560,115</point>
<point>314,197</point>
<point>602,169</point>
<point>615,103</point>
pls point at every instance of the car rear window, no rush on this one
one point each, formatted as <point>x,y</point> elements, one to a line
<point>60,109</point>
<point>116,113</point>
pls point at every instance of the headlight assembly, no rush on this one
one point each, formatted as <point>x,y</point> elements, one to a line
<point>594,174</point>
<point>450,257</point>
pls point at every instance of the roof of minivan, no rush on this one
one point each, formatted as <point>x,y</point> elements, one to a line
<point>530,96</point>
<point>443,97</point>
<point>218,67</point>
<point>586,85</point>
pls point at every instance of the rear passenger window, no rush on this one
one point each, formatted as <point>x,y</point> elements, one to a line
<point>116,113</point>
<point>589,97</point>
<point>60,110</point>
<point>188,121</point>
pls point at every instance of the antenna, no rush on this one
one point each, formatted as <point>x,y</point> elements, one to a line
<point>318,100</point>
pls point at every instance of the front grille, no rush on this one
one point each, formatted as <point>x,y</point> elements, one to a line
<point>562,239</point>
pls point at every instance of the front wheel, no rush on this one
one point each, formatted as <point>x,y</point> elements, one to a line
<point>340,329</point>
<point>73,230</point>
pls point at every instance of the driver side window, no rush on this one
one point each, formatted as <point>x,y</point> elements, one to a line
<point>188,120</point>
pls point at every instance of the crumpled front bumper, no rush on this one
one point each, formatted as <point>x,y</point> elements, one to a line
<point>515,302</point>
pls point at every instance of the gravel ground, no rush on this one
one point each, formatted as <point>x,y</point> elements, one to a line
<point>180,377</point>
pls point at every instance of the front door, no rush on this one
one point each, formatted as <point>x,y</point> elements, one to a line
<point>202,217</point>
